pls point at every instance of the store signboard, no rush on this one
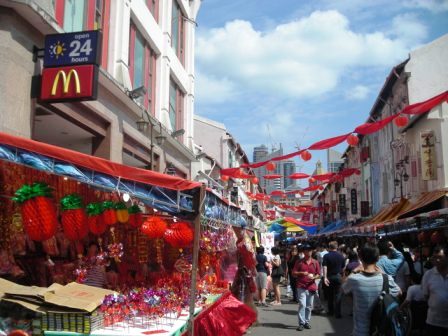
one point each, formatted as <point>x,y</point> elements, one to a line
<point>428,156</point>
<point>354,201</point>
<point>72,48</point>
<point>342,200</point>
<point>69,83</point>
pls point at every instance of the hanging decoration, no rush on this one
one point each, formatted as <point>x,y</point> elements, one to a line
<point>255,180</point>
<point>270,166</point>
<point>95,219</point>
<point>224,178</point>
<point>122,212</point>
<point>135,216</point>
<point>364,129</point>
<point>306,156</point>
<point>272,176</point>
<point>401,120</point>
<point>38,211</point>
<point>109,214</point>
<point>73,217</point>
<point>352,140</point>
<point>154,227</point>
<point>179,235</point>
<point>298,176</point>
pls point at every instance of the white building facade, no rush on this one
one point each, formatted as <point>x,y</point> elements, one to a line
<point>146,44</point>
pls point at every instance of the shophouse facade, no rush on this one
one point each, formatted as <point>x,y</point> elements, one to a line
<point>146,75</point>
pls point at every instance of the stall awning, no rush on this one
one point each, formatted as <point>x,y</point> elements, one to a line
<point>389,213</point>
<point>98,164</point>
<point>164,192</point>
<point>423,203</point>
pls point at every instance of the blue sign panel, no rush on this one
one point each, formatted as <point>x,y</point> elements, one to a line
<point>72,48</point>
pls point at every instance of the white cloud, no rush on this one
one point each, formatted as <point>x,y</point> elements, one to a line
<point>214,90</point>
<point>359,92</point>
<point>301,58</point>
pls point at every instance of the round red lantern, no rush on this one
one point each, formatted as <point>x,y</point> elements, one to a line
<point>179,235</point>
<point>321,188</point>
<point>437,237</point>
<point>270,166</point>
<point>154,227</point>
<point>311,180</point>
<point>352,140</point>
<point>306,156</point>
<point>74,217</point>
<point>424,237</point>
<point>401,121</point>
<point>224,178</point>
<point>255,180</point>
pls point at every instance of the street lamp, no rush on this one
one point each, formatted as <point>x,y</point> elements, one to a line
<point>142,126</point>
<point>401,174</point>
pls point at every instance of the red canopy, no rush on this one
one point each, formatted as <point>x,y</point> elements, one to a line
<point>298,176</point>
<point>98,164</point>
<point>272,176</point>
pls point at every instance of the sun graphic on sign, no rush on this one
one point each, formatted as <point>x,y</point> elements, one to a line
<point>57,49</point>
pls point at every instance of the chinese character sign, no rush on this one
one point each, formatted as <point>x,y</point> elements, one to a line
<point>428,156</point>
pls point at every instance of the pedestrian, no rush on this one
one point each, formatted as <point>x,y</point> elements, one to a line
<point>390,258</point>
<point>333,265</point>
<point>307,271</point>
<point>262,275</point>
<point>353,262</point>
<point>292,259</point>
<point>276,275</point>
<point>435,290</point>
<point>403,277</point>
<point>365,284</point>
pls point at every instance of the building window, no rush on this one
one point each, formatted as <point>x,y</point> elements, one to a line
<point>142,65</point>
<point>79,15</point>
<point>176,106</point>
<point>153,6</point>
<point>177,31</point>
<point>75,15</point>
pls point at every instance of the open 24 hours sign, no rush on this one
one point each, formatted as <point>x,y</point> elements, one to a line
<point>77,48</point>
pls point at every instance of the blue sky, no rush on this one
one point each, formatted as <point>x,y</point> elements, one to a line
<point>299,71</point>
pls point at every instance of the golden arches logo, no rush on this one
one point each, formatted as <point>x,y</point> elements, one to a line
<point>66,81</point>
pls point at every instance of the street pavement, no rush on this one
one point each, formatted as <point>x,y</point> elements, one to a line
<point>282,320</point>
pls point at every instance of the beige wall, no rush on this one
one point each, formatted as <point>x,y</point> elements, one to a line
<point>17,39</point>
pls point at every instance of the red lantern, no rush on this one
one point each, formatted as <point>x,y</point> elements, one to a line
<point>352,140</point>
<point>270,166</point>
<point>306,156</point>
<point>154,227</point>
<point>74,217</point>
<point>179,235</point>
<point>321,188</point>
<point>424,237</point>
<point>401,121</point>
<point>224,178</point>
<point>38,211</point>
<point>311,180</point>
<point>238,173</point>
<point>437,237</point>
<point>255,180</point>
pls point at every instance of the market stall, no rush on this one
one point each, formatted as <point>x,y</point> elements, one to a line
<point>68,218</point>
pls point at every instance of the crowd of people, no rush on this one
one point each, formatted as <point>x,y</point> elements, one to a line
<point>359,272</point>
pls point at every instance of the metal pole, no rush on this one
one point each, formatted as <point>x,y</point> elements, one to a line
<point>152,145</point>
<point>197,233</point>
<point>401,184</point>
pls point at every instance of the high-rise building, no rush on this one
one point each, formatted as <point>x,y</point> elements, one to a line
<point>334,160</point>
<point>284,168</point>
<point>289,167</point>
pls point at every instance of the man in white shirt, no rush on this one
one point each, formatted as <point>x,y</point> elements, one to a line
<point>435,290</point>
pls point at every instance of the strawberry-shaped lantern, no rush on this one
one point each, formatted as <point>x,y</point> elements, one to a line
<point>109,214</point>
<point>135,216</point>
<point>73,217</point>
<point>122,212</point>
<point>38,211</point>
<point>95,218</point>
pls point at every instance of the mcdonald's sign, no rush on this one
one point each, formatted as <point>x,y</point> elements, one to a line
<point>69,83</point>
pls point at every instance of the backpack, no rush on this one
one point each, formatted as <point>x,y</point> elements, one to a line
<point>386,318</point>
